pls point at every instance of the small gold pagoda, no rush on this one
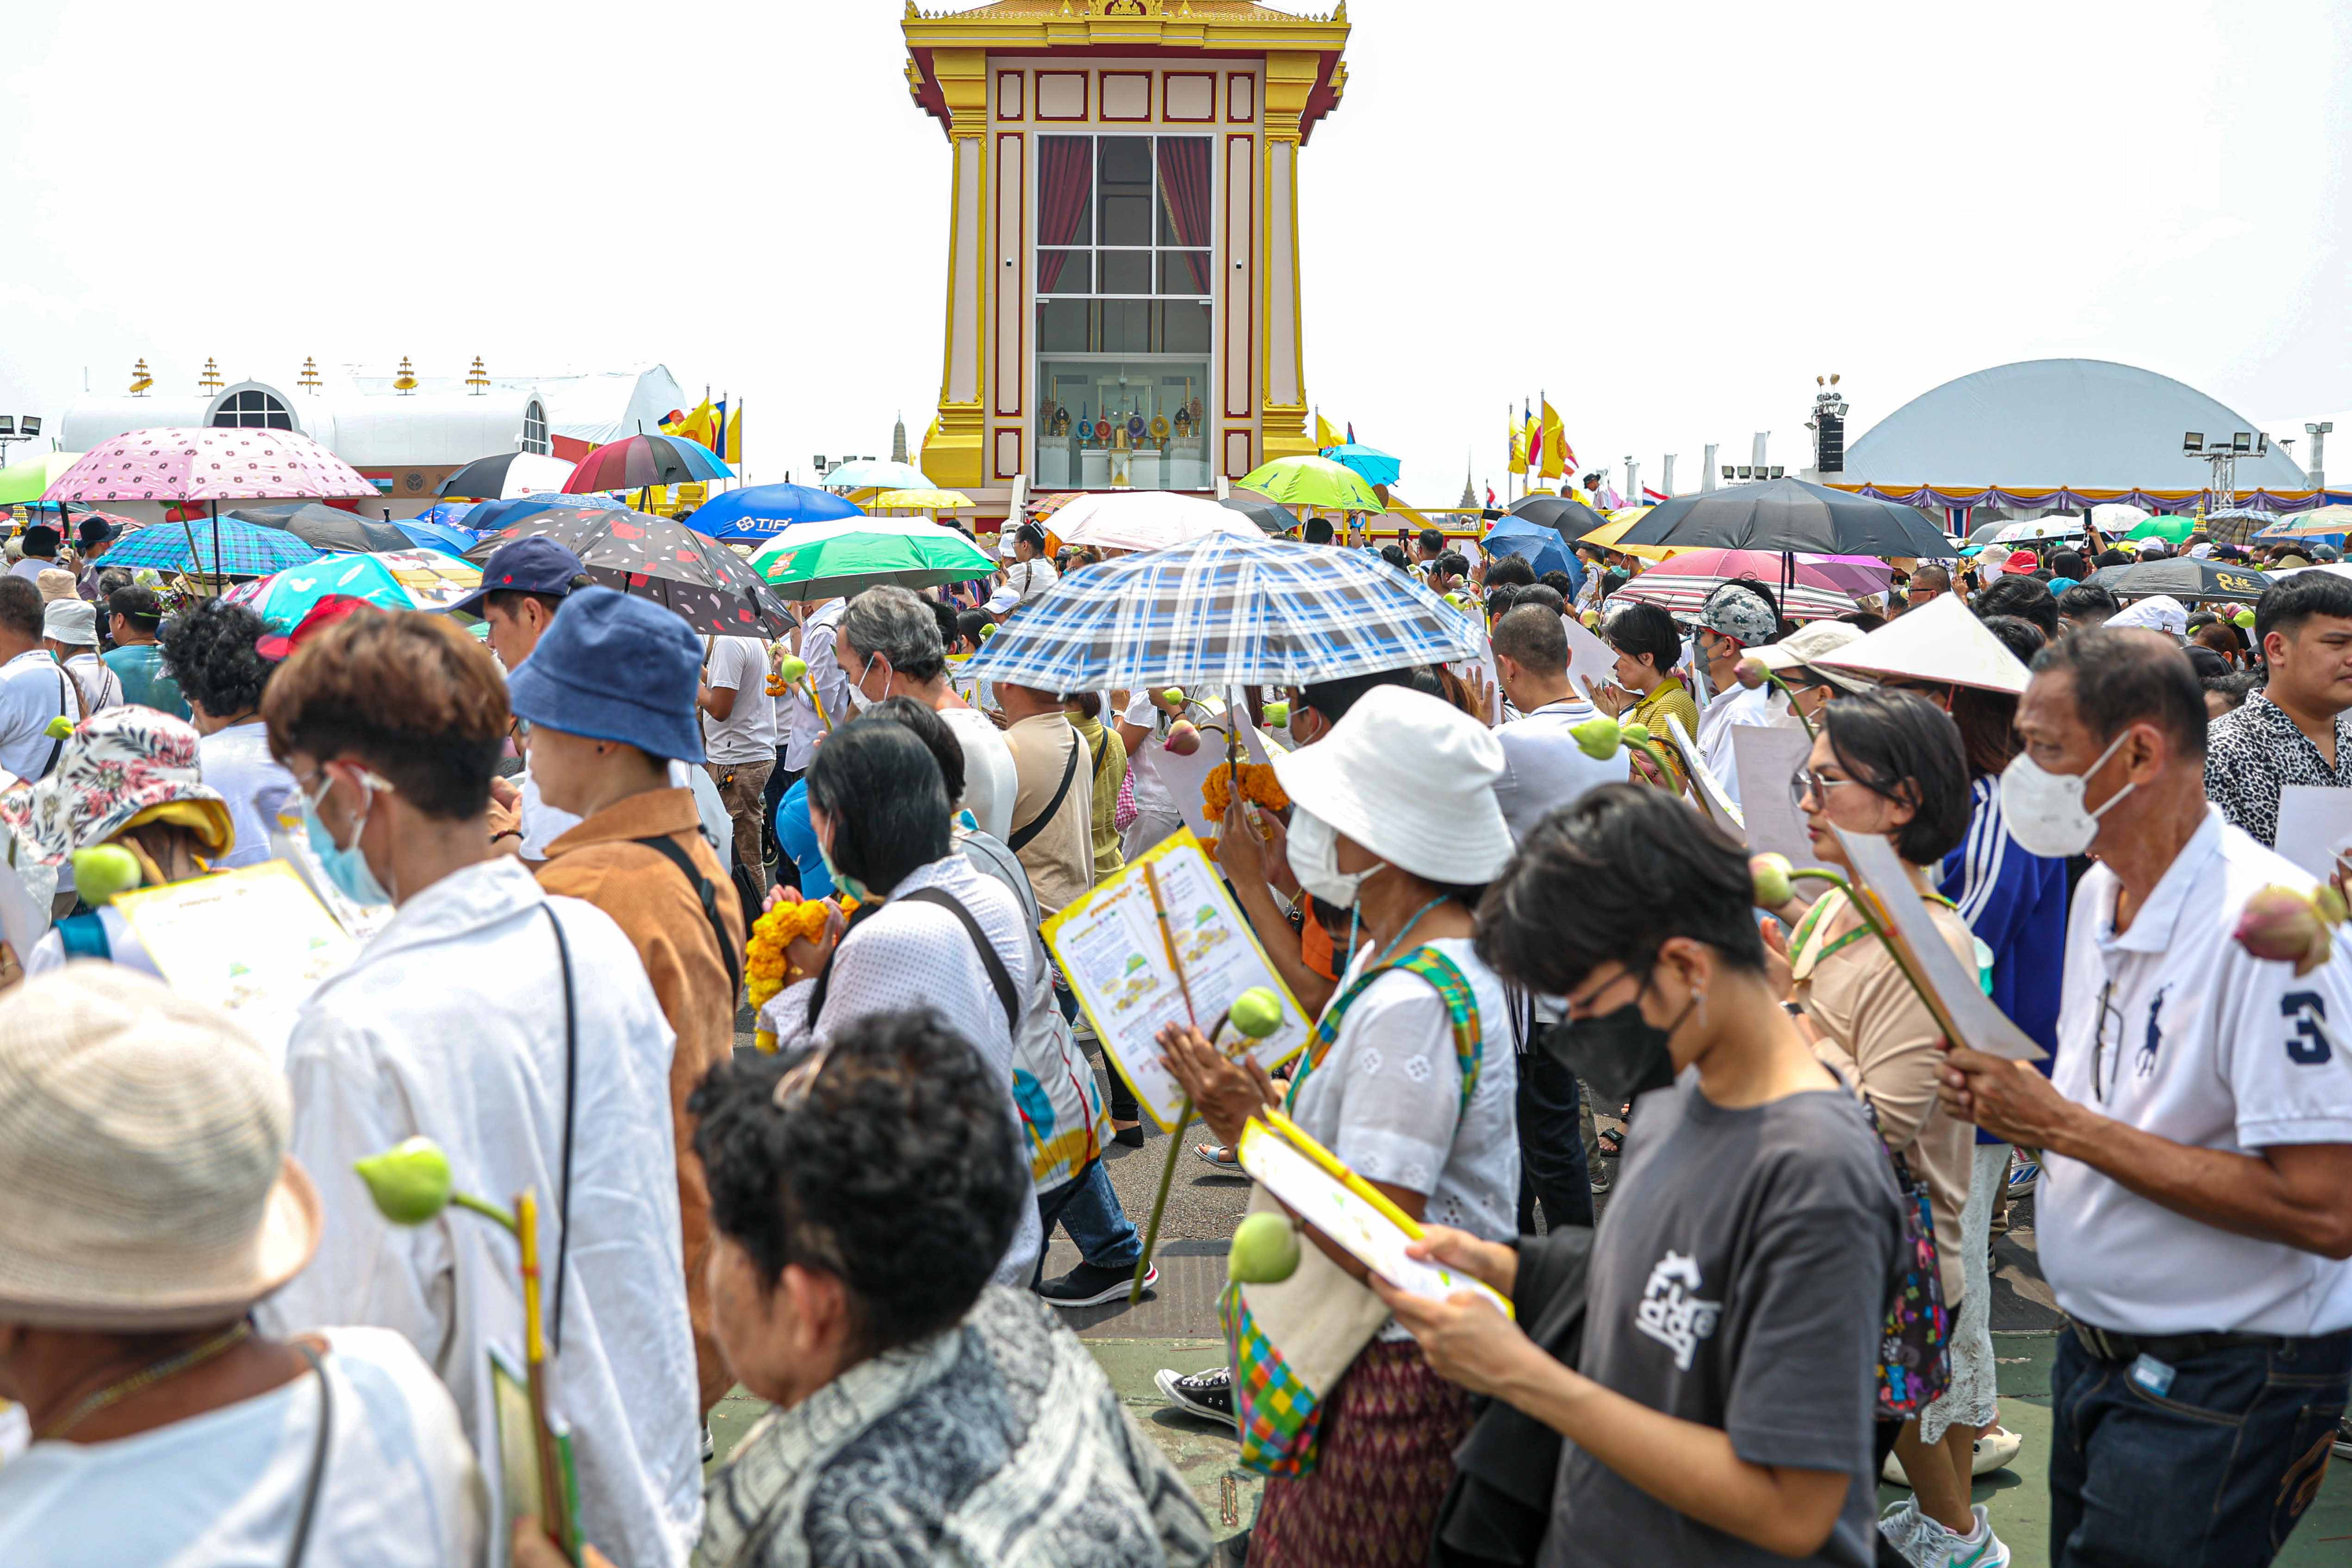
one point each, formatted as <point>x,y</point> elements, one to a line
<point>1123,279</point>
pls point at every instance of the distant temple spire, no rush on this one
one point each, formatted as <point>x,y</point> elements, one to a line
<point>898,442</point>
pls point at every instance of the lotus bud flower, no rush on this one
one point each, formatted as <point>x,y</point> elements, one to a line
<point>2284,926</point>
<point>1592,620</point>
<point>1750,672</point>
<point>1265,1250</point>
<point>103,870</point>
<point>792,667</point>
<point>59,727</point>
<point>1256,1012</point>
<point>1277,714</point>
<point>1772,875</point>
<point>1598,738</point>
<point>409,1182</point>
<point>1635,734</point>
<point>987,631</point>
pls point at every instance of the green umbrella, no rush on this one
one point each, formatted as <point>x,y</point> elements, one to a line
<point>850,554</point>
<point>2172,530</point>
<point>28,480</point>
<point>1312,481</point>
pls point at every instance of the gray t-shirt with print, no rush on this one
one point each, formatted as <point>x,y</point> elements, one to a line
<point>1739,1280</point>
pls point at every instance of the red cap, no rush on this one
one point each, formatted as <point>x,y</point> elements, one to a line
<point>2022,561</point>
<point>329,609</point>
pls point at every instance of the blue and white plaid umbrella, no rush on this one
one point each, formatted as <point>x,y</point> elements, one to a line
<point>1225,610</point>
<point>246,550</point>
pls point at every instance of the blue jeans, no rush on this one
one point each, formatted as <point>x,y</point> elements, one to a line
<point>2216,1471</point>
<point>1086,1207</point>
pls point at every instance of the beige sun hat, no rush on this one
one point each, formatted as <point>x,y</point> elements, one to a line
<point>144,1183</point>
<point>1804,648</point>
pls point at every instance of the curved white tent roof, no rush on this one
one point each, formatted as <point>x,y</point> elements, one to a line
<point>2088,423</point>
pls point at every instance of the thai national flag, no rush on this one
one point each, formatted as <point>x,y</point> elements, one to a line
<point>1652,498</point>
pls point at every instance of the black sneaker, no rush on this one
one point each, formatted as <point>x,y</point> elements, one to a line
<point>1209,1394</point>
<point>1088,1285</point>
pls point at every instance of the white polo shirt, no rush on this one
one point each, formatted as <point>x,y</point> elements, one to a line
<point>2212,1048</point>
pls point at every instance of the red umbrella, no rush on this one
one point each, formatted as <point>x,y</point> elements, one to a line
<point>641,460</point>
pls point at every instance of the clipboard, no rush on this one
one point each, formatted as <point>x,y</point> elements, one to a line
<point>1314,1185</point>
<point>1709,790</point>
<point>518,1450</point>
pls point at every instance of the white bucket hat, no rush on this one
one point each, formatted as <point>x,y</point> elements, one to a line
<point>144,1183</point>
<point>1805,646</point>
<point>1412,779</point>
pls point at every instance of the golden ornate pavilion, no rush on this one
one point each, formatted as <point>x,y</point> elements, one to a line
<point>1123,269</point>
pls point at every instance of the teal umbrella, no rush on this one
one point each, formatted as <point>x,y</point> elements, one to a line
<point>1370,464</point>
<point>283,598</point>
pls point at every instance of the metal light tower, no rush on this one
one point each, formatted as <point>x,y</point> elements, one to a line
<point>2316,469</point>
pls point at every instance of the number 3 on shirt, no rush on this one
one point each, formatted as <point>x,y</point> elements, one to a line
<point>2308,1046</point>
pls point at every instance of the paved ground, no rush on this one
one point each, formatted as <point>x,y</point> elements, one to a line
<point>1176,1326</point>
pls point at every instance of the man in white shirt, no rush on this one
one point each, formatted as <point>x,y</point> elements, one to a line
<point>537,1056</point>
<point>888,645</point>
<point>738,739</point>
<point>31,687</point>
<point>1733,621</point>
<point>2195,1210</point>
<point>1543,767</point>
<point>1030,575</point>
<point>41,544</point>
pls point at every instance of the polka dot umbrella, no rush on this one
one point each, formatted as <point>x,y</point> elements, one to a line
<point>657,558</point>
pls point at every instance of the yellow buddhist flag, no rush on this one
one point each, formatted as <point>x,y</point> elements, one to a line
<point>696,425</point>
<point>1518,448</point>
<point>1324,437</point>
<point>1554,444</point>
<point>1532,435</point>
<point>734,453</point>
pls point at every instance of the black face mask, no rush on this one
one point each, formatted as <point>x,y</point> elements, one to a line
<point>1620,1056</point>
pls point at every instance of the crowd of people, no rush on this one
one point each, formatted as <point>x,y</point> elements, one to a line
<point>1544,981</point>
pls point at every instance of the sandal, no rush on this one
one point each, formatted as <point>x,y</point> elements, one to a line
<point>1129,1136</point>
<point>1610,1143</point>
<point>1219,1157</point>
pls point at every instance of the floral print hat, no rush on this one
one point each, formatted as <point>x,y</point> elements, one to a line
<point>120,766</point>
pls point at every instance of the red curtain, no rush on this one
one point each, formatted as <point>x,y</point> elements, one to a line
<point>1065,185</point>
<point>1185,198</point>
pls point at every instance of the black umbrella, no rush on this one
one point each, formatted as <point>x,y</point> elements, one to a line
<point>1572,519</point>
<point>485,478</point>
<point>1271,516</point>
<point>657,558</point>
<point>326,527</point>
<point>2186,578</point>
<point>1790,516</point>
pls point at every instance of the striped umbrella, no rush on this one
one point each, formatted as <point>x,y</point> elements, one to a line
<point>1685,594</point>
<point>636,462</point>
<point>1225,610</point>
<point>222,546</point>
<point>2323,523</point>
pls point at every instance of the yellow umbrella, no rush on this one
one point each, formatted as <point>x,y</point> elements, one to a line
<point>1619,525</point>
<point>925,501</point>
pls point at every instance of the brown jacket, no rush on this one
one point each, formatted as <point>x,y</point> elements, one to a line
<point>659,912</point>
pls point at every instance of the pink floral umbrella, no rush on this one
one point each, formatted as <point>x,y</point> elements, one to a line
<point>208,464</point>
<point>1852,575</point>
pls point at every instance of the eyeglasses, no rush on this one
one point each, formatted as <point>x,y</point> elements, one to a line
<point>1804,782</point>
<point>2103,1075</point>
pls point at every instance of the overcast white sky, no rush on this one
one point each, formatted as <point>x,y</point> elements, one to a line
<point>1670,216</point>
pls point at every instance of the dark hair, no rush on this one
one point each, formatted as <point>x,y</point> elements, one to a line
<point>1453,564</point>
<point>1085,704</point>
<point>1902,746</point>
<point>933,731</point>
<point>408,693</point>
<point>2286,605</point>
<point>138,605</point>
<point>21,607</point>
<point>2223,637</point>
<point>2208,665</point>
<point>970,622</point>
<point>1395,556</point>
<point>210,650</point>
<point>1317,531</point>
<point>1510,571</point>
<point>2130,677</point>
<point>1988,720</point>
<point>2234,688</point>
<point>1535,637</point>
<point>1612,875</point>
<point>895,1172</point>
<point>2067,563</point>
<point>1030,534</point>
<point>951,626</point>
<point>888,799</point>
<point>1559,582</point>
<point>1499,602</point>
<point>2111,556</point>
<point>1930,574</point>
<point>2025,597</point>
<point>1636,629</point>
<point>1867,620</point>
<point>1430,540</point>
<point>1543,594</point>
<point>1332,699</point>
<point>2094,601</point>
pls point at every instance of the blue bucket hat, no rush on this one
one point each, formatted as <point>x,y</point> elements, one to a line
<point>536,564</point>
<point>613,667</point>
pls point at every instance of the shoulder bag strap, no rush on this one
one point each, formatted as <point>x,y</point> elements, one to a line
<point>1461,1012</point>
<point>667,849</point>
<point>317,1483</point>
<point>571,1096</point>
<point>84,936</point>
<point>998,976</point>
<point>58,746</point>
<point>1036,824</point>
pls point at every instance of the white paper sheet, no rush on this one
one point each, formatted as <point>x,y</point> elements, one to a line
<point>1109,947</point>
<point>23,922</point>
<point>1956,993</point>
<point>1765,756</point>
<point>2314,828</point>
<point>253,943</point>
<point>1367,1234</point>
<point>1589,661</point>
<point>1709,789</point>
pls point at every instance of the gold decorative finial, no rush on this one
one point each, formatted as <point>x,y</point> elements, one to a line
<point>309,380</point>
<point>480,379</point>
<point>210,380</point>
<point>139,380</point>
<point>405,381</point>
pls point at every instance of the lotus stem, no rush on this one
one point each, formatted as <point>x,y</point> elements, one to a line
<point>1885,939</point>
<point>1794,706</point>
<point>1160,1204</point>
<point>488,1210</point>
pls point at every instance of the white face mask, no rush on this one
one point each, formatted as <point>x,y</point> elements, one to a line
<point>2044,811</point>
<point>1781,710</point>
<point>1314,857</point>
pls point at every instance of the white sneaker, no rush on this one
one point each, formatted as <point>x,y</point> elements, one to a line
<point>1905,1527</point>
<point>1937,1547</point>
<point>1994,1450</point>
<point>709,1446</point>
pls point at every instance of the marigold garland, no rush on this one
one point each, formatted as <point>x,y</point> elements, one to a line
<point>1259,785</point>
<point>764,963</point>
